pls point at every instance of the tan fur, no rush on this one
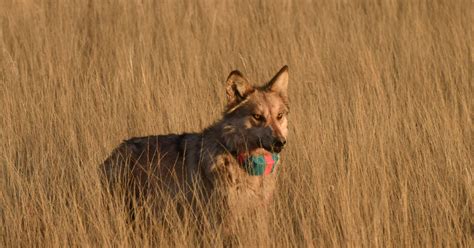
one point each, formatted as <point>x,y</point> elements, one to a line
<point>206,161</point>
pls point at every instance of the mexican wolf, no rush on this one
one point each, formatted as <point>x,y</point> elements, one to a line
<point>231,163</point>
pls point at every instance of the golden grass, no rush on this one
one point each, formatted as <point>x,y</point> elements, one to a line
<point>380,148</point>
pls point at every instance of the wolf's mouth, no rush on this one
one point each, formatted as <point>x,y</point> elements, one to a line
<point>275,149</point>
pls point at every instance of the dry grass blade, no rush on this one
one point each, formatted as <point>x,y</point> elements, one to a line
<point>380,149</point>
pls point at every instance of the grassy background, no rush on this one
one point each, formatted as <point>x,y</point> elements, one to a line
<point>380,146</point>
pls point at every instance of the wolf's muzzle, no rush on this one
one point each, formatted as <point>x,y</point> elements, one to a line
<point>278,144</point>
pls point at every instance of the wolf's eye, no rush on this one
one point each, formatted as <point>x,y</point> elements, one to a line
<point>257,117</point>
<point>279,116</point>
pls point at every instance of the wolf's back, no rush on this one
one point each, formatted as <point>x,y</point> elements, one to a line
<point>144,159</point>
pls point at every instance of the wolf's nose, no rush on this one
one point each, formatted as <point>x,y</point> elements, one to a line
<point>279,143</point>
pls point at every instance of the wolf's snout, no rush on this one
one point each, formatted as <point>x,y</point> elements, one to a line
<point>278,144</point>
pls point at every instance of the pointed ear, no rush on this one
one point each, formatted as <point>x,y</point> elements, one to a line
<point>237,88</point>
<point>279,82</point>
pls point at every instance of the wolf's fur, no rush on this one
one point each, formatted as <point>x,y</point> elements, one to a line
<point>255,120</point>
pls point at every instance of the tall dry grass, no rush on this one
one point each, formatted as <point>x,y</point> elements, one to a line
<point>380,148</point>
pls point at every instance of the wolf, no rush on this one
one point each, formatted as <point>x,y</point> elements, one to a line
<point>213,165</point>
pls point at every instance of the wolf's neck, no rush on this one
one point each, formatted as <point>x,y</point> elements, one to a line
<point>223,138</point>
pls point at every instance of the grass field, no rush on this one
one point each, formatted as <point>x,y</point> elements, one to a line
<point>380,146</point>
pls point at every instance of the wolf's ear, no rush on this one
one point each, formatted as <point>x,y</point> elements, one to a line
<point>237,88</point>
<point>279,82</point>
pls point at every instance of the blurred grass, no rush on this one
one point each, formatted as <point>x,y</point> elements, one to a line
<point>380,148</point>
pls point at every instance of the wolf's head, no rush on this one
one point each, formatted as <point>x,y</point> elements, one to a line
<point>256,116</point>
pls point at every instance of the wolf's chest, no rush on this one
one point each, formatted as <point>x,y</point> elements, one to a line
<point>250,192</point>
